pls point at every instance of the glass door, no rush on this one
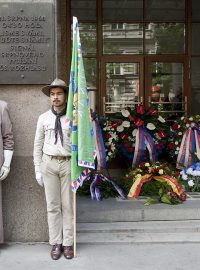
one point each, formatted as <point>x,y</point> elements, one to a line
<point>122,85</point>
<point>162,82</point>
<point>167,83</point>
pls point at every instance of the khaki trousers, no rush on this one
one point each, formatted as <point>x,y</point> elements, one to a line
<point>59,198</point>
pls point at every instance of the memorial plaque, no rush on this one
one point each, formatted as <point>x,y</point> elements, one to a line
<point>27,50</point>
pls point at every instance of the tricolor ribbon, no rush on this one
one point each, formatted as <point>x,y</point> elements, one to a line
<point>99,142</point>
<point>190,142</point>
<point>143,140</point>
<point>137,185</point>
<point>95,191</point>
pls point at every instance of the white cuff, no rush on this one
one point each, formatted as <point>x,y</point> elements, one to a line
<point>7,157</point>
<point>37,169</point>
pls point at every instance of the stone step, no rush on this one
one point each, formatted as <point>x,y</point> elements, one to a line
<point>116,210</point>
<point>138,238</point>
<point>141,226</point>
<point>187,231</point>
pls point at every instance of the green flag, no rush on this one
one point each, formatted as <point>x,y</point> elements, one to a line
<point>78,116</point>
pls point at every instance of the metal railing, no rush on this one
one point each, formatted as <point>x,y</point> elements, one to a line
<point>117,106</point>
<point>170,103</point>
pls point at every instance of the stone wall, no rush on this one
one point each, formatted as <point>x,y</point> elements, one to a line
<point>24,206</point>
<point>23,199</point>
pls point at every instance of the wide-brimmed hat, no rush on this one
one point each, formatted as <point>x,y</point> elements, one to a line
<point>56,83</point>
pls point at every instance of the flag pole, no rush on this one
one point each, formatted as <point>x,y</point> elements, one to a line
<point>74,205</point>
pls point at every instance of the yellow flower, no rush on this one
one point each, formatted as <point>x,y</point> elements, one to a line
<point>161,171</point>
<point>147,164</point>
<point>138,175</point>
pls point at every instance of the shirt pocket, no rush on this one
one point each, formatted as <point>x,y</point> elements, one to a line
<point>67,136</point>
<point>49,132</point>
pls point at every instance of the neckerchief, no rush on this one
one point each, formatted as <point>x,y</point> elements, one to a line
<point>58,127</point>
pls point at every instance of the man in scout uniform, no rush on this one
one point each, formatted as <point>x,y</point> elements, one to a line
<point>6,152</point>
<point>52,154</point>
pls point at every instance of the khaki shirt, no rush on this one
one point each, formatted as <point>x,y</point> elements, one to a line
<point>45,138</point>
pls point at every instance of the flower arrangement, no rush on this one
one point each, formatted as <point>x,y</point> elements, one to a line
<point>151,125</point>
<point>191,176</point>
<point>110,136</point>
<point>170,191</point>
<point>177,130</point>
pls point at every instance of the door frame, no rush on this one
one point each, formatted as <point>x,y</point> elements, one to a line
<point>168,59</point>
<point>145,76</point>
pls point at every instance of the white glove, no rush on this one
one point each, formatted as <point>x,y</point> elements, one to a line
<point>39,179</point>
<point>5,169</point>
<point>4,172</point>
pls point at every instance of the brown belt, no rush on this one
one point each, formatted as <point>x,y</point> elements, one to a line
<point>60,157</point>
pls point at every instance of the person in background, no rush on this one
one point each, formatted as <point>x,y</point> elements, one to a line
<point>6,152</point>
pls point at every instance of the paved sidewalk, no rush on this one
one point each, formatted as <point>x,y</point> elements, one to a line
<point>103,257</point>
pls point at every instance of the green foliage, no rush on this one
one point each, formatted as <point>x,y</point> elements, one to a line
<point>151,188</point>
<point>165,34</point>
<point>151,201</point>
<point>106,189</point>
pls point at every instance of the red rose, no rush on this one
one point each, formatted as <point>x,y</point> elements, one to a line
<point>177,173</point>
<point>187,122</point>
<point>161,134</point>
<point>175,126</point>
<point>173,194</point>
<point>153,113</point>
<point>139,122</point>
<point>107,135</point>
<point>132,119</point>
<point>140,109</point>
<point>158,146</point>
<point>123,136</point>
<point>114,125</point>
<point>142,164</point>
<point>171,145</point>
<point>183,196</point>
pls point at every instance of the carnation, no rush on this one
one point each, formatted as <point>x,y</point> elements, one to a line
<point>125,113</point>
<point>191,183</point>
<point>195,173</point>
<point>120,128</point>
<point>189,171</point>
<point>126,124</point>
<point>134,132</point>
<point>151,126</point>
<point>184,177</point>
<point>161,119</point>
